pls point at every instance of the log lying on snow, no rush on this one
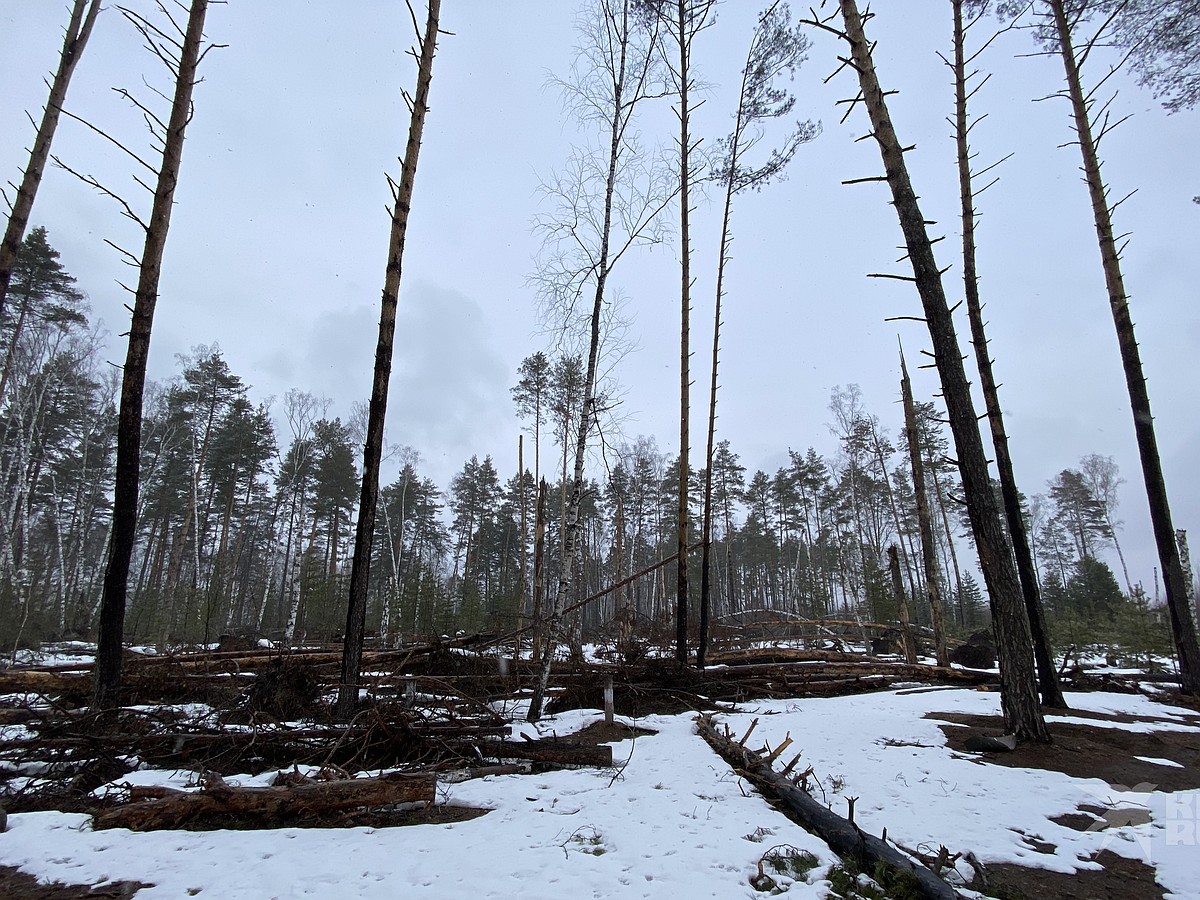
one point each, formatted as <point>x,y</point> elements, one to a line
<point>550,752</point>
<point>843,836</point>
<point>163,808</point>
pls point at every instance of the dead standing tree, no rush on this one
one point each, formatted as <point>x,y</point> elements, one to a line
<point>683,21</point>
<point>924,518</point>
<point>1092,122</point>
<point>1013,515</point>
<point>75,38</point>
<point>1019,699</point>
<point>181,50</point>
<point>776,49</point>
<point>360,568</point>
<point>609,200</point>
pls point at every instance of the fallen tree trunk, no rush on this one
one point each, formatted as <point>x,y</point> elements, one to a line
<point>556,753</point>
<point>168,809</point>
<point>849,667</point>
<point>842,835</point>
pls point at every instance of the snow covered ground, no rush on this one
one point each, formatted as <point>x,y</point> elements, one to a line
<point>674,821</point>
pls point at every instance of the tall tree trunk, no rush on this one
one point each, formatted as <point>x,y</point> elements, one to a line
<point>924,519</point>
<point>356,614</point>
<point>1183,627</point>
<point>1022,715</point>
<point>682,38</point>
<point>539,572</point>
<point>706,538</point>
<point>133,381</point>
<point>522,592</point>
<point>1043,655</point>
<point>75,38</point>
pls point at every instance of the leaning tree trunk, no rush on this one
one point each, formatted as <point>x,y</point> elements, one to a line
<point>133,381</point>
<point>360,568</point>
<point>1019,700</point>
<point>924,519</point>
<point>1043,655</point>
<point>1183,628</point>
<point>75,38</point>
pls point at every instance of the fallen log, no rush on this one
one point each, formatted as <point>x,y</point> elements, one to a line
<point>842,835</point>
<point>556,753</point>
<point>17,716</point>
<point>170,809</point>
<point>32,681</point>
<point>861,666</point>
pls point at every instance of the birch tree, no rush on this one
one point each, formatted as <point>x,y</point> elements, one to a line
<point>608,201</point>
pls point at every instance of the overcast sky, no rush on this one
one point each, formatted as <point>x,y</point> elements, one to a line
<point>278,242</point>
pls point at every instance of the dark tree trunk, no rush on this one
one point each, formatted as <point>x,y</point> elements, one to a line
<point>1019,700</point>
<point>1043,655</point>
<point>133,381</point>
<point>1183,628</point>
<point>360,569</point>
<point>75,38</point>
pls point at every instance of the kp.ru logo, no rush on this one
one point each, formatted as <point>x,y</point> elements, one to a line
<point>1182,819</point>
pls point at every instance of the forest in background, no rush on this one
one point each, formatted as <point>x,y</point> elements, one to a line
<point>248,507</point>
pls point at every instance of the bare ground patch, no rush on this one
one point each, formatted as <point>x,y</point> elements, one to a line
<point>1090,751</point>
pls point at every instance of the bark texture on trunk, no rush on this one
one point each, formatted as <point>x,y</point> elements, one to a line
<point>1019,700</point>
<point>75,38</point>
<point>1183,627</point>
<point>360,569</point>
<point>133,380</point>
<point>1030,591</point>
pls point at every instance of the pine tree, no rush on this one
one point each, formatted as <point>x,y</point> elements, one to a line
<point>75,38</point>
<point>44,296</point>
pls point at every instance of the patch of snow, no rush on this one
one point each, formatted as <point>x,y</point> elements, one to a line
<point>1161,762</point>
